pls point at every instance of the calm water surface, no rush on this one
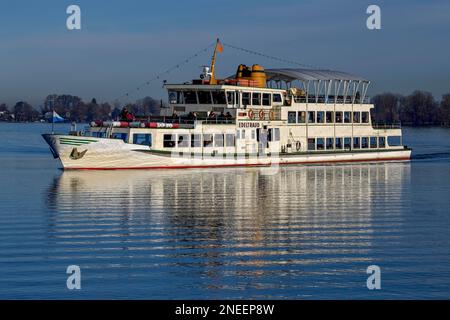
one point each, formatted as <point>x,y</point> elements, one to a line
<point>305,232</point>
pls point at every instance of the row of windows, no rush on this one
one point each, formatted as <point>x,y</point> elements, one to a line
<point>229,140</point>
<point>222,97</point>
<point>258,99</point>
<point>201,97</point>
<point>346,143</point>
<point>138,138</point>
<point>216,140</point>
<point>195,140</point>
<point>328,117</point>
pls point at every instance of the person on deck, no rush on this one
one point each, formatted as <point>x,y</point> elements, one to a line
<point>175,117</point>
<point>212,116</point>
<point>125,115</point>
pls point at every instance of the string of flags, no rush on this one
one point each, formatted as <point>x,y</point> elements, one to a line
<point>188,59</point>
<point>174,67</point>
<point>268,56</point>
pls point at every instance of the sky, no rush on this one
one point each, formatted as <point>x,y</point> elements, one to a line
<point>123,44</point>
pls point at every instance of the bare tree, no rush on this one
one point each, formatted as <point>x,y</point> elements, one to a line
<point>418,109</point>
<point>386,107</point>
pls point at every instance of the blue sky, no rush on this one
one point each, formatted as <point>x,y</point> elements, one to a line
<point>124,43</point>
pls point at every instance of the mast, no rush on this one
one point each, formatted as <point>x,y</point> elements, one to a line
<point>217,48</point>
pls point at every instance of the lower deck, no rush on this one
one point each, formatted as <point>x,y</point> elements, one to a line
<point>77,152</point>
<point>252,138</point>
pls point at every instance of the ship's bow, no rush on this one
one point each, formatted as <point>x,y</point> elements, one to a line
<point>51,141</point>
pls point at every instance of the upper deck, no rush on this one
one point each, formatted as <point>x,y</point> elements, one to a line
<point>273,88</point>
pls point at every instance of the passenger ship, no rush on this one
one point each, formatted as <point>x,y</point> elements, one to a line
<point>258,117</point>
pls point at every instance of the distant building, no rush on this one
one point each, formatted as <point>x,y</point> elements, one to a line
<point>6,116</point>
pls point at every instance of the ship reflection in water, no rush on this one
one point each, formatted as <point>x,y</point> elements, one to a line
<point>303,232</point>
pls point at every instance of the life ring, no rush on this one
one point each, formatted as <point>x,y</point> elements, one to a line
<point>298,145</point>
<point>261,114</point>
<point>271,115</point>
<point>251,114</point>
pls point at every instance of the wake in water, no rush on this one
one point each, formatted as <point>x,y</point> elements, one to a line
<point>428,156</point>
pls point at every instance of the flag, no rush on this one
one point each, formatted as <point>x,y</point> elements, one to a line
<point>219,46</point>
<point>56,117</point>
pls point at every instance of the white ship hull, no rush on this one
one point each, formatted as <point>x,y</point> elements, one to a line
<point>86,153</point>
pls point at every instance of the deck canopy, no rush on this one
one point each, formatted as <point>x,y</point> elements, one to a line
<point>321,85</point>
<point>310,75</point>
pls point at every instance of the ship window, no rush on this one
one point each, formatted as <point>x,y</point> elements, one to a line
<point>183,141</point>
<point>229,140</point>
<point>266,99</point>
<point>347,143</point>
<point>238,134</point>
<point>219,97</point>
<point>169,141</point>
<point>346,117</point>
<point>364,142</point>
<point>256,98</point>
<point>230,98</point>
<point>311,144</point>
<point>301,117</point>
<point>356,143</point>
<point>330,143</point>
<point>329,116</point>
<point>218,140</point>
<point>276,97</point>
<point>190,97</point>
<point>394,140</point>
<point>207,140</point>
<point>356,117</point>
<point>291,116</point>
<point>253,134</point>
<point>180,109</point>
<point>320,144</point>
<point>243,133</point>
<point>204,97</point>
<point>245,98</point>
<point>365,117</point>
<point>98,134</point>
<point>338,116</point>
<point>175,97</point>
<point>121,136</point>
<point>320,117</point>
<point>381,142</point>
<point>196,140</point>
<point>142,139</point>
<point>311,116</point>
<point>338,143</point>
<point>373,142</point>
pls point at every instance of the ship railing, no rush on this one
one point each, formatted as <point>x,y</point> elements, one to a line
<point>330,99</point>
<point>186,120</point>
<point>386,125</point>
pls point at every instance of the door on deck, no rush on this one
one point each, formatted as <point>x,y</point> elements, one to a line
<point>263,138</point>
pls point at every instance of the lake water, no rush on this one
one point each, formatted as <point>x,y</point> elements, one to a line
<point>306,232</point>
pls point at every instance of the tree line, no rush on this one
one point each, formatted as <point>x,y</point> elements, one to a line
<point>73,108</point>
<point>417,109</point>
